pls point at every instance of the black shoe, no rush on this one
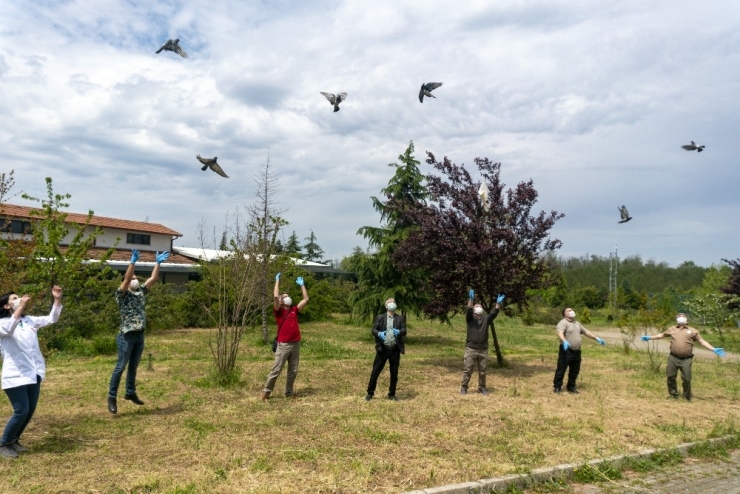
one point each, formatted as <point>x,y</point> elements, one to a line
<point>463,391</point>
<point>112,407</point>
<point>483,391</point>
<point>134,399</point>
<point>573,391</point>
<point>368,397</point>
<point>392,397</point>
<point>556,390</point>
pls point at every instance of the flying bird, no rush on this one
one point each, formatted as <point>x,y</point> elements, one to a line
<point>426,90</point>
<point>211,163</point>
<point>693,147</point>
<point>173,45</point>
<point>625,215</point>
<point>335,100</point>
<point>483,194</point>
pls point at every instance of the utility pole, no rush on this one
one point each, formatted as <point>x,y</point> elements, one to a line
<point>613,264</point>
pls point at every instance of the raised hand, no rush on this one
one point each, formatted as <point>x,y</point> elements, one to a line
<point>299,281</point>
<point>56,291</point>
<point>277,276</point>
<point>500,298</point>
<point>471,294</point>
<point>162,257</point>
<point>134,256</point>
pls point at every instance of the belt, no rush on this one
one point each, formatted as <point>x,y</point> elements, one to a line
<point>681,358</point>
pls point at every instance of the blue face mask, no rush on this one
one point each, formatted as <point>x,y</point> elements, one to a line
<point>391,306</point>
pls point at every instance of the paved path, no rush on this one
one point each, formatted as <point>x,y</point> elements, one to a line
<point>691,477</point>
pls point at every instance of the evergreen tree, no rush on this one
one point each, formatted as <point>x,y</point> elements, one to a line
<point>378,276</point>
<point>292,246</point>
<point>313,251</point>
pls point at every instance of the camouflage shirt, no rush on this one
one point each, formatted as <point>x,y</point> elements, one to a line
<point>132,307</point>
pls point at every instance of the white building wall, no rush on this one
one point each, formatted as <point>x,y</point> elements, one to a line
<point>159,242</point>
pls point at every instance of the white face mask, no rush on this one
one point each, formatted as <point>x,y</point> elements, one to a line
<point>16,304</point>
<point>572,314</point>
<point>134,285</point>
<point>681,320</point>
<point>287,301</point>
<point>478,310</point>
<point>391,306</point>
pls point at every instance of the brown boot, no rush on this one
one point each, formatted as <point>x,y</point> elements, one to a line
<point>265,397</point>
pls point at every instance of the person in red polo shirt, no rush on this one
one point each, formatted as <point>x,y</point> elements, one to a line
<point>288,338</point>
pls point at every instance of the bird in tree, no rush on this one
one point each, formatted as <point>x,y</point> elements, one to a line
<point>426,90</point>
<point>335,100</point>
<point>693,147</point>
<point>211,163</point>
<point>173,45</point>
<point>625,215</point>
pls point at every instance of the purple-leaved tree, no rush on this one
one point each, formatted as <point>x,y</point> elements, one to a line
<point>463,243</point>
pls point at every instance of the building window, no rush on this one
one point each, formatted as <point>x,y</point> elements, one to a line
<point>138,238</point>
<point>15,226</point>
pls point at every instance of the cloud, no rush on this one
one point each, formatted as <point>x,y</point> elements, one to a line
<point>592,102</point>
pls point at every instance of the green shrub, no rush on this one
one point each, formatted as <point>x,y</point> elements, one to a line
<point>586,316</point>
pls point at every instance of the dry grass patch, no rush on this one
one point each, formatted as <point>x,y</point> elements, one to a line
<point>194,438</point>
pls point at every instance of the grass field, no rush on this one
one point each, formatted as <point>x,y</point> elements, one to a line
<point>193,438</point>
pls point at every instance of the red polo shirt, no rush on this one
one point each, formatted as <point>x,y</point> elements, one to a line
<point>287,321</point>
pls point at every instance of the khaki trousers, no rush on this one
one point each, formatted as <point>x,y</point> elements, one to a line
<point>286,352</point>
<point>472,358</point>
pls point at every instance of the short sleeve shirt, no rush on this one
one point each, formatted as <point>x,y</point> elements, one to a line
<point>682,340</point>
<point>572,332</point>
<point>287,322</point>
<point>132,305</point>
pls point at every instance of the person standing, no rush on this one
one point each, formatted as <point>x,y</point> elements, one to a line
<point>476,343</point>
<point>569,355</point>
<point>389,331</point>
<point>288,338</point>
<point>681,354</point>
<point>131,298</point>
<point>23,364</point>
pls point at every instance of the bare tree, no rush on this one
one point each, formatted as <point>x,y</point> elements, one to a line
<point>266,223</point>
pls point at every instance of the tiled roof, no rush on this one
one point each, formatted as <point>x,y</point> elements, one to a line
<point>15,211</point>
<point>144,256</point>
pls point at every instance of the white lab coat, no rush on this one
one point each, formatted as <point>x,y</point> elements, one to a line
<point>19,344</point>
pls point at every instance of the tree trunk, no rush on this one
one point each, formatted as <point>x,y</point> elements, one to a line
<point>499,355</point>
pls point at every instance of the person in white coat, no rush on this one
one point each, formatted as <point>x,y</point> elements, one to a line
<point>23,365</point>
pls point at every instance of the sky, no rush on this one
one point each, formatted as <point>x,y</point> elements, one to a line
<point>591,101</point>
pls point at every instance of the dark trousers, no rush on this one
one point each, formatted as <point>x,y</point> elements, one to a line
<point>24,400</point>
<point>571,360</point>
<point>130,348</point>
<point>394,357</point>
<point>674,365</point>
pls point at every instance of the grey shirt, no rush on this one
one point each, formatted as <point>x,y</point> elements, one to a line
<point>572,332</point>
<point>477,337</point>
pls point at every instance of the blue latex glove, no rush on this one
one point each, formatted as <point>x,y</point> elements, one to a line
<point>566,345</point>
<point>396,332</point>
<point>162,257</point>
<point>645,338</point>
<point>381,335</point>
<point>277,276</point>
<point>134,256</point>
<point>500,298</point>
<point>720,351</point>
<point>600,341</point>
<point>471,294</point>
<point>299,281</point>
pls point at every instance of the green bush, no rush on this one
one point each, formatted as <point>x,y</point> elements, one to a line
<point>586,316</point>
